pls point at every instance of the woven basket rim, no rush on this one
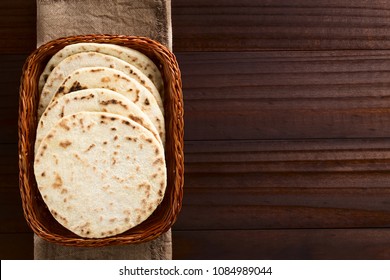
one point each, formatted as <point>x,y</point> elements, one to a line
<point>166,214</point>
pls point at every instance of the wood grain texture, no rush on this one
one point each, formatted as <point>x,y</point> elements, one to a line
<point>290,156</point>
<point>16,246</point>
<point>287,130</point>
<point>286,95</point>
<point>10,72</point>
<point>8,164</point>
<point>277,184</point>
<point>299,244</point>
<point>337,183</point>
<point>242,208</point>
<point>223,25</point>
<point>17,30</point>
<point>17,26</point>
<point>248,25</point>
<point>12,219</point>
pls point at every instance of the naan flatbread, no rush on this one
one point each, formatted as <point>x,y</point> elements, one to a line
<point>91,100</point>
<point>98,181</point>
<point>102,77</point>
<point>91,59</point>
<point>131,56</point>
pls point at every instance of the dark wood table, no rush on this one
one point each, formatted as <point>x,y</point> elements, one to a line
<point>287,138</point>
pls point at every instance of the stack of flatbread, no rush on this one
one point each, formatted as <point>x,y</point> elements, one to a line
<point>99,150</point>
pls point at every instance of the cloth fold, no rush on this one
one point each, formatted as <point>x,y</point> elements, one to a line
<point>59,18</point>
<point>150,18</point>
<point>157,249</point>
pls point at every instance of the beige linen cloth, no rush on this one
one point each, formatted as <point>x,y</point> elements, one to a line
<point>150,18</point>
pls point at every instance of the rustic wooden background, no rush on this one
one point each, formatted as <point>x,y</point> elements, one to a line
<point>287,139</point>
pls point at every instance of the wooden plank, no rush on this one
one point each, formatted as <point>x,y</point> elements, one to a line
<point>298,180</point>
<point>337,183</point>
<point>276,184</point>
<point>301,244</point>
<point>304,156</point>
<point>8,162</point>
<point>16,246</point>
<point>257,185</point>
<point>253,244</point>
<point>17,26</point>
<point>277,208</point>
<point>223,25</point>
<point>335,163</point>
<point>10,74</point>
<point>286,95</point>
<point>12,219</point>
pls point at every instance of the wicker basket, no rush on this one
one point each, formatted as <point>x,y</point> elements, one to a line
<point>35,210</point>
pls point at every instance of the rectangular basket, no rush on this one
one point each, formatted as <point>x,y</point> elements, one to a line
<point>36,213</point>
